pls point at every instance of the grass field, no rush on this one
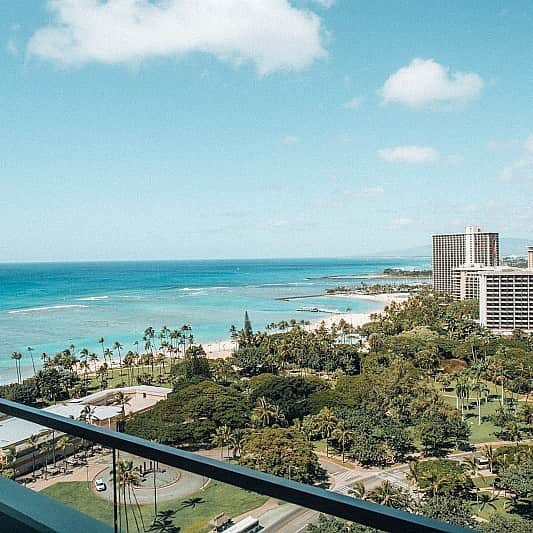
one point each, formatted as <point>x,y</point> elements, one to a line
<point>484,432</point>
<point>485,511</point>
<point>115,378</point>
<point>484,481</point>
<point>190,515</point>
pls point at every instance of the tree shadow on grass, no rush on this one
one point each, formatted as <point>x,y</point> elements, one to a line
<point>164,522</point>
<point>191,503</point>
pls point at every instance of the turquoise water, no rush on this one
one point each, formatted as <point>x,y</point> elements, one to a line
<point>50,306</point>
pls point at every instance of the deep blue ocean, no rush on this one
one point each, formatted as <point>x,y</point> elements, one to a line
<point>49,306</point>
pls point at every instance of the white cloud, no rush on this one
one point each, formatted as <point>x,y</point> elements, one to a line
<point>354,103</point>
<point>272,34</point>
<point>522,168</point>
<point>409,154</point>
<point>289,140</point>
<point>425,82</point>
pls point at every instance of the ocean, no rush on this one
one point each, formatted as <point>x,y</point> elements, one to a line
<point>50,306</point>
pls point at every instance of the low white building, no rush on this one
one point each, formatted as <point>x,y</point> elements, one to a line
<point>100,409</point>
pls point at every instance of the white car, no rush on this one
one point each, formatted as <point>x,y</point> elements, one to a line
<point>99,485</point>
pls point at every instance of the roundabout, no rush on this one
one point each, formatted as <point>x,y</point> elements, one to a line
<point>168,482</point>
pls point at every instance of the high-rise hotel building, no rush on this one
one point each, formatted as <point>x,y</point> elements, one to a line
<point>506,298</point>
<point>472,249</point>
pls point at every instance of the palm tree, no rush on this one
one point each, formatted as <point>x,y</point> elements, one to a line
<point>122,400</point>
<point>342,435</point>
<point>484,500</point>
<point>101,343</point>
<point>84,365</point>
<point>129,361</point>
<point>132,479</point>
<point>109,354</point>
<point>45,447</point>
<point>359,490</point>
<point>499,372</point>
<point>102,374</point>
<point>389,495</point>
<point>263,412</point>
<point>470,465</point>
<point>127,479</point>
<point>236,441</point>
<point>93,358</point>
<point>220,438</point>
<point>17,356</point>
<point>118,347</point>
<point>326,425</point>
<point>489,453</point>
<point>414,478</point>
<point>62,445</point>
<point>462,391</point>
<point>30,351</point>
<point>8,462</point>
<point>33,441</point>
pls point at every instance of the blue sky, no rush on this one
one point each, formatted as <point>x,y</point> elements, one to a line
<point>246,128</point>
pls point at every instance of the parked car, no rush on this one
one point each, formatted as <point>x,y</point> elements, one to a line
<point>99,485</point>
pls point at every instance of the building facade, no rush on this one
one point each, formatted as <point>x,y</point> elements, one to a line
<point>466,282</point>
<point>473,248</point>
<point>506,299</point>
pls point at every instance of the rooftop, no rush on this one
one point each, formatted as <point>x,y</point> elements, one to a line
<point>14,431</point>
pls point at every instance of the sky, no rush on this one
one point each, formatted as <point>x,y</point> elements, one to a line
<point>176,129</point>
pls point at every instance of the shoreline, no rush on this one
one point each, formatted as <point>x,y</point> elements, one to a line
<point>358,319</point>
<point>223,348</point>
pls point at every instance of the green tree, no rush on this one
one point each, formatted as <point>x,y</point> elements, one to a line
<point>327,422</point>
<point>17,356</point>
<point>342,436</point>
<point>121,400</point>
<point>33,443</point>
<point>247,325</point>
<point>282,452</point>
<point>443,477</point>
<point>391,496</point>
<point>220,438</point>
<point>330,524</point>
<point>448,509</point>
<point>506,523</point>
<point>517,478</point>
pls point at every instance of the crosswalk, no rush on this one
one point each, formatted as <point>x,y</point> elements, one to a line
<point>344,480</point>
<point>395,479</point>
<point>348,477</point>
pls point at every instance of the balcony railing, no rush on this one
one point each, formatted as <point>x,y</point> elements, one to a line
<point>315,498</point>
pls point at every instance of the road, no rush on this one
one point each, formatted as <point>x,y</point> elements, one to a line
<point>291,518</point>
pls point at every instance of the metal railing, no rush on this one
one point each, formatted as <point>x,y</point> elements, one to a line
<point>315,498</point>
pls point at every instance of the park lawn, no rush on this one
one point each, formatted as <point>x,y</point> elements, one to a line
<point>214,499</point>
<point>76,494</point>
<point>484,481</point>
<point>320,446</point>
<point>496,505</point>
<point>486,432</point>
<point>114,378</point>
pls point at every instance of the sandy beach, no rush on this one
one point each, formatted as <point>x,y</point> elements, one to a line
<point>358,319</point>
<point>223,349</point>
